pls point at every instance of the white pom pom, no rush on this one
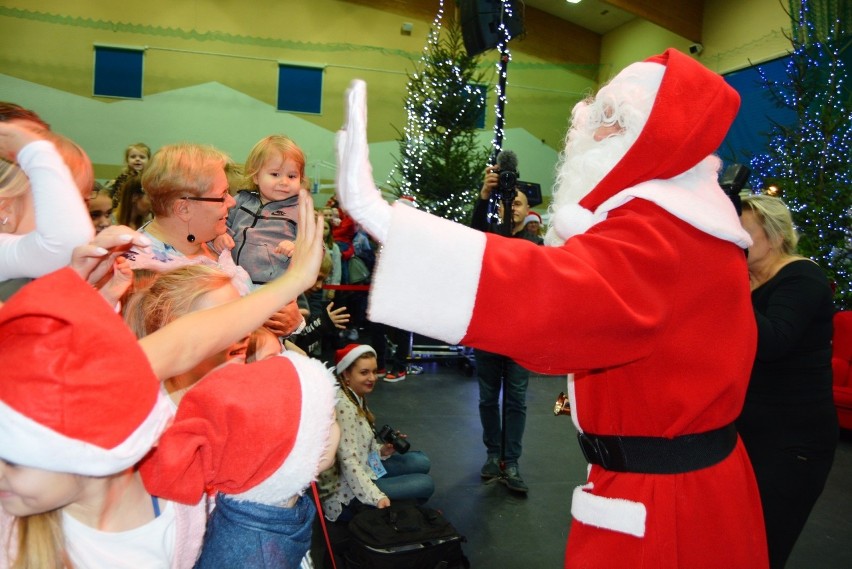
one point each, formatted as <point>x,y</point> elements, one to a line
<point>569,220</point>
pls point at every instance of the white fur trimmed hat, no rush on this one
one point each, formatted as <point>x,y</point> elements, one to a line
<point>257,432</point>
<point>346,356</point>
<point>77,394</point>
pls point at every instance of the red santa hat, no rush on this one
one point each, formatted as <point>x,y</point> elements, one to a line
<point>77,394</point>
<point>691,114</point>
<point>671,162</point>
<point>257,432</point>
<point>532,216</point>
<point>346,356</point>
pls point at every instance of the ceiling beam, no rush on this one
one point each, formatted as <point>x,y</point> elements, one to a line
<point>683,17</point>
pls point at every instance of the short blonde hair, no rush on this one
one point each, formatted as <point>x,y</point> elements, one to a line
<point>275,144</point>
<point>160,298</point>
<point>180,169</point>
<point>776,220</point>
<point>13,182</point>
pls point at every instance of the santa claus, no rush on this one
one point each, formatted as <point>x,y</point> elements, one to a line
<point>642,299</point>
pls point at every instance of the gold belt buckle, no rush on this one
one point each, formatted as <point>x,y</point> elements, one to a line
<point>562,405</point>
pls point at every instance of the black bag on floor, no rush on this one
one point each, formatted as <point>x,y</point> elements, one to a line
<point>404,535</point>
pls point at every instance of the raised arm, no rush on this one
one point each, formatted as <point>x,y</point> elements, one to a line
<point>61,221</point>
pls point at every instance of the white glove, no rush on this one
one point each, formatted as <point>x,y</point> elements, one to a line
<point>356,190</point>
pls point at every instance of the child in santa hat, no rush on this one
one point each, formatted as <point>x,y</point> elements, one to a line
<point>75,422</point>
<point>254,435</point>
<point>79,407</point>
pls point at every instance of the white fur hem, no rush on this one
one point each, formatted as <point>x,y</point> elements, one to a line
<point>430,266</point>
<point>29,443</point>
<point>315,420</point>
<point>614,514</point>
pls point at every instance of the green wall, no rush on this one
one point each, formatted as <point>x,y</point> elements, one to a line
<point>210,71</point>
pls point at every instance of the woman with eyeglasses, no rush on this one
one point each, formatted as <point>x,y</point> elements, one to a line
<point>187,185</point>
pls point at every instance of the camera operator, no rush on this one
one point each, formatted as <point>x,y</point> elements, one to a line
<point>502,434</point>
<point>367,472</point>
<point>520,206</point>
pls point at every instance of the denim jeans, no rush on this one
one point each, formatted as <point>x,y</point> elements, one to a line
<point>489,369</point>
<point>252,535</point>
<point>408,477</point>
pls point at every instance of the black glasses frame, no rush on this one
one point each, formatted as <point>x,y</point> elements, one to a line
<point>198,199</point>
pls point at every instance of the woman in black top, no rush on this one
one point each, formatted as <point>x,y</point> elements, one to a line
<point>788,422</point>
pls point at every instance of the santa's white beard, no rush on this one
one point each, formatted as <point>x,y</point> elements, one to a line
<point>583,164</point>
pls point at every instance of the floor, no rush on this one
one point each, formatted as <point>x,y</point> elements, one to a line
<point>438,412</point>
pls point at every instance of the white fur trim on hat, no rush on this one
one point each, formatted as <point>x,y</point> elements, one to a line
<point>319,395</point>
<point>353,355</point>
<point>27,442</point>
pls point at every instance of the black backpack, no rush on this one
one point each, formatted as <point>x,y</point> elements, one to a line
<point>404,535</point>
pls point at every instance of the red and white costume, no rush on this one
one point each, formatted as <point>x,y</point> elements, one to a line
<point>648,306</point>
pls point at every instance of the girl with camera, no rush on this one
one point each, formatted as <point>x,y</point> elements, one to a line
<point>366,471</point>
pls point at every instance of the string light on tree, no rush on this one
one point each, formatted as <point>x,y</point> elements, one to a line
<point>809,161</point>
<point>440,161</point>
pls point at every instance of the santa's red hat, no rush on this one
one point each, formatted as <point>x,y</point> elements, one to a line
<point>257,432</point>
<point>346,356</point>
<point>77,393</point>
<point>691,114</point>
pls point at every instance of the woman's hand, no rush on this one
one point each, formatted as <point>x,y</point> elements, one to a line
<point>383,503</point>
<point>95,261</point>
<point>308,251</point>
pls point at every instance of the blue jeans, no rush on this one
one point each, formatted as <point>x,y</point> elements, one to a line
<point>252,535</point>
<point>489,367</point>
<point>407,478</point>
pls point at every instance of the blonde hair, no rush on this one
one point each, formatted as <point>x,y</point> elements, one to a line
<point>776,220</point>
<point>275,144</point>
<point>180,169</point>
<point>159,298</point>
<point>41,542</point>
<point>13,182</point>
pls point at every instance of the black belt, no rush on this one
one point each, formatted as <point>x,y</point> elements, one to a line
<point>658,455</point>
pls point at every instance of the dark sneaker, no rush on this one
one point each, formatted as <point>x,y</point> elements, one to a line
<point>513,481</point>
<point>491,469</point>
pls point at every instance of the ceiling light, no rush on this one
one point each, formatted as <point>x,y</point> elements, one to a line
<point>573,1</point>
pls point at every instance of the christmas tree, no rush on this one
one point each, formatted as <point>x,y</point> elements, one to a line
<point>810,161</point>
<point>441,161</point>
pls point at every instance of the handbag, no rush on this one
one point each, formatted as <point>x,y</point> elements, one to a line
<point>358,271</point>
<point>404,535</point>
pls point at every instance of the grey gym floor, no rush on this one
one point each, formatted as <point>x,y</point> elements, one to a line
<point>438,411</point>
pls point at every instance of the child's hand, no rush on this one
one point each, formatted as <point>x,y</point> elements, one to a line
<point>117,285</point>
<point>224,242</point>
<point>339,317</point>
<point>285,248</point>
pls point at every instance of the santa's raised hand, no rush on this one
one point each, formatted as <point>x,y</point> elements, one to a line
<point>356,189</point>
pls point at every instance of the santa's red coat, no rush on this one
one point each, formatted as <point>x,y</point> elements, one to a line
<point>654,317</point>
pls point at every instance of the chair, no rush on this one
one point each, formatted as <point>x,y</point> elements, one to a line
<point>841,364</point>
